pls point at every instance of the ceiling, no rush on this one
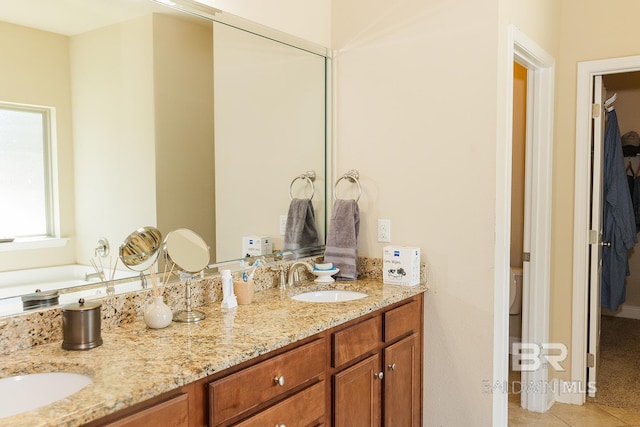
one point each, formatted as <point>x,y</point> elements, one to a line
<point>53,15</point>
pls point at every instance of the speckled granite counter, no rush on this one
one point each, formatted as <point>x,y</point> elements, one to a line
<point>136,363</point>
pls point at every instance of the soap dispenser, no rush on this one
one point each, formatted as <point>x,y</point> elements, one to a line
<point>228,297</point>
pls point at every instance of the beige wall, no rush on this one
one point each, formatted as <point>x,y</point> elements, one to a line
<point>590,31</point>
<point>184,149</point>
<point>35,71</point>
<point>310,19</point>
<point>416,115</point>
<point>114,132</point>
<point>421,108</point>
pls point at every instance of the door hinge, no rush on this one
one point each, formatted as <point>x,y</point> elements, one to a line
<point>595,111</point>
<point>593,237</point>
<point>591,360</point>
<point>526,256</point>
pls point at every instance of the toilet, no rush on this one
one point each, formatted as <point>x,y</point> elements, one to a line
<point>515,306</point>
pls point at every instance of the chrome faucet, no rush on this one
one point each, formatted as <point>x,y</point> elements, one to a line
<point>293,278</point>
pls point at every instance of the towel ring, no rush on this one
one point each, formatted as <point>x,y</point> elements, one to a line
<point>351,176</point>
<point>309,176</point>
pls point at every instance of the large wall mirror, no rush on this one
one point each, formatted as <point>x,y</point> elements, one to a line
<point>175,116</point>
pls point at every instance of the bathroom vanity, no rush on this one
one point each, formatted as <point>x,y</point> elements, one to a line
<point>276,361</point>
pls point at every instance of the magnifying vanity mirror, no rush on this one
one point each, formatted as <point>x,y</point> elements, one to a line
<point>189,253</point>
<point>150,109</point>
<point>141,249</point>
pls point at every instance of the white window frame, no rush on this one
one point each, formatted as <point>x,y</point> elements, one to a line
<point>48,139</point>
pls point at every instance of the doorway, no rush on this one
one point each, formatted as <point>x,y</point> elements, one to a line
<point>537,242</point>
<point>586,302</point>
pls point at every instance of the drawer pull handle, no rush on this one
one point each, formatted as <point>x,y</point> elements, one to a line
<point>378,375</point>
<point>392,367</point>
<point>279,381</point>
<point>280,425</point>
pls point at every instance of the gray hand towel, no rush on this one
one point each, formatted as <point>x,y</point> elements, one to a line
<point>342,239</point>
<point>300,231</point>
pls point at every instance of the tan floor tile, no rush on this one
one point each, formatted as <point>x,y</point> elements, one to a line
<point>629,416</point>
<point>519,417</point>
<point>589,415</point>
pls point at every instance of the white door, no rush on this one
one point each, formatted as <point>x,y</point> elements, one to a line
<point>595,232</point>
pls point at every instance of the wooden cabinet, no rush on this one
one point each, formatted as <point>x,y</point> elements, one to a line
<point>366,372</point>
<point>172,413</point>
<point>294,379</point>
<point>377,369</point>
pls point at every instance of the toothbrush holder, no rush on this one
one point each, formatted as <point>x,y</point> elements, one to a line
<point>244,291</point>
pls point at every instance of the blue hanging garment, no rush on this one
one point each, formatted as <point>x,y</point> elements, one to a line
<point>619,225</point>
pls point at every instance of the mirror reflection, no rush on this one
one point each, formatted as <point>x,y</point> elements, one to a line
<point>158,117</point>
<point>141,248</point>
<point>188,252</point>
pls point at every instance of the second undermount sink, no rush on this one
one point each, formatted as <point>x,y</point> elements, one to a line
<point>24,393</point>
<point>334,295</point>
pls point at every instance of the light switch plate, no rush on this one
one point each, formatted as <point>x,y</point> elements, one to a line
<point>283,224</point>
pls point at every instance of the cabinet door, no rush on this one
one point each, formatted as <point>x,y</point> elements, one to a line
<point>402,394</point>
<point>356,395</point>
<point>172,413</point>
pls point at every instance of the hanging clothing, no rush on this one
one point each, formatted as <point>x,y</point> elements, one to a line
<point>619,225</point>
<point>635,199</point>
<point>633,179</point>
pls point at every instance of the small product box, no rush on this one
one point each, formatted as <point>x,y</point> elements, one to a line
<point>256,246</point>
<point>401,265</point>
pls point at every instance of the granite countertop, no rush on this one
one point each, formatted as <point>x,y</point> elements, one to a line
<point>136,363</point>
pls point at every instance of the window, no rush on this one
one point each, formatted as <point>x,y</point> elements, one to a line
<point>25,171</point>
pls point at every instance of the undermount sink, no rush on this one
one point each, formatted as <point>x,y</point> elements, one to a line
<point>24,393</point>
<point>334,295</point>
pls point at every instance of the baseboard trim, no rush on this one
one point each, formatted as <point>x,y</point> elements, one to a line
<point>626,311</point>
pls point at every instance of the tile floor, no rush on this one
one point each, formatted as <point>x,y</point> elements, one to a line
<point>564,415</point>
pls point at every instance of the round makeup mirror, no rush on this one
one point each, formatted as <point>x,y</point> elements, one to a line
<point>188,252</point>
<point>141,248</point>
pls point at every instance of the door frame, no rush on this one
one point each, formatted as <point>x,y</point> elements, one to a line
<point>535,304</point>
<point>587,70</point>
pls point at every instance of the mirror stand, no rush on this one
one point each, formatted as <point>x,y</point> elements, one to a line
<point>189,315</point>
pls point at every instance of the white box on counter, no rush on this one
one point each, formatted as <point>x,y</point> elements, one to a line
<point>256,246</point>
<point>401,265</point>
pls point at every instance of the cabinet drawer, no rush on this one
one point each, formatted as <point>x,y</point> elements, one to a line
<point>244,390</point>
<point>356,340</point>
<point>173,412</point>
<point>401,321</point>
<point>301,409</point>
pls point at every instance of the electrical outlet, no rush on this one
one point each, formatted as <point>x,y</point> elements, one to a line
<point>283,224</point>
<point>384,230</point>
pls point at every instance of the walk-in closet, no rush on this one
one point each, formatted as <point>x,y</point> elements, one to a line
<point>618,381</point>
